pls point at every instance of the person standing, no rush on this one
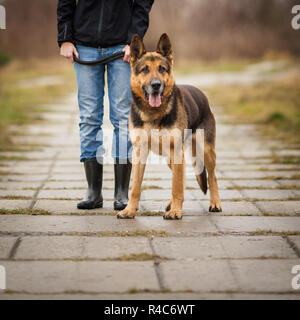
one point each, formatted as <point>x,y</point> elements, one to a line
<point>94,29</point>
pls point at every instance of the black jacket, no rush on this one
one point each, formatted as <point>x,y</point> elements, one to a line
<point>102,23</point>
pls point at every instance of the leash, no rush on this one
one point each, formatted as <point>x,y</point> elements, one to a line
<point>114,56</point>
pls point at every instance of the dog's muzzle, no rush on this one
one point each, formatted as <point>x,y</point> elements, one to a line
<point>154,93</point>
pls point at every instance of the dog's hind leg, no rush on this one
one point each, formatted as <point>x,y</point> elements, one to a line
<point>210,164</point>
<point>168,206</point>
<point>198,164</point>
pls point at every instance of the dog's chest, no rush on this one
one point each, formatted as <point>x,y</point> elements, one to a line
<point>159,140</point>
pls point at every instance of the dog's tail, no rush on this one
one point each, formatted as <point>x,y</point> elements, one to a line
<point>202,180</point>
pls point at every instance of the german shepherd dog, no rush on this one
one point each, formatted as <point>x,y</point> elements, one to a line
<point>160,104</point>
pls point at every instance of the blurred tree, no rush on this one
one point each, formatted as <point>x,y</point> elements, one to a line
<point>207,29</point>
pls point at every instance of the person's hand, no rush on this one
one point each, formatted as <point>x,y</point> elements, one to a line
<point>67,50</point>
<point>126,49</point>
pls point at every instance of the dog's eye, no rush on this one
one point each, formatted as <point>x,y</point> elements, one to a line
<point>145,70</point>
<point>162,69</point>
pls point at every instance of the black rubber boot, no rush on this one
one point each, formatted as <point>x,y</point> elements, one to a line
<point>93,173</point>
<point>122,179</point>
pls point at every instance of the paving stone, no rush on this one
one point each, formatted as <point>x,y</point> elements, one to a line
<point>256,154</point>
<point>188,195</point>
<point>280,207</point>
<point>289,182</point>
<point>270,184</point>
<point>69,156</point>
<point>236,208</point>
<point>14,204</point>
<point>90,224</point>
<point>288,152</point>
<point>85,276</point>
<point>36,163</point>
<point>260,167</point>
<point>70,206</point>
<point>26,170</point>
<point>6,244</point>
<point>269,194</point>
<point>168,175</point>
<point>20,185</point>
<point>73,169</point>
<point>21,178</point>
<point>259,174</point>
<point>237,247</point>
<point>296,241</point>
<point>30,155</point>
<point>189,248</point>
<point>68,163</point>
<point>71,194</point>
<point>252,224</point>
<point>264,275</point>
<point>242,162</point>
<point>17,193</point>
<point>66,185</point>
<point>192,183</point>
<point>74,177</point>
<point>64,247</point>
<point>194,275</point>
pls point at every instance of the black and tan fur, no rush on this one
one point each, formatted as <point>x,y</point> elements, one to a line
<point>182,107</point>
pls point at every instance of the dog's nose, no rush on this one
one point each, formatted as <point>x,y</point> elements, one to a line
<point>155,84</point>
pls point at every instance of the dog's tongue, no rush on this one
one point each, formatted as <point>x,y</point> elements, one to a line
<point>154,100</point>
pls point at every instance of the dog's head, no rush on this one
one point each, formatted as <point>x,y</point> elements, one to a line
<point>152,77</point>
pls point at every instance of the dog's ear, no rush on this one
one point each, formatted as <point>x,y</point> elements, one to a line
<point>164,46</point>
<point>137,48</point>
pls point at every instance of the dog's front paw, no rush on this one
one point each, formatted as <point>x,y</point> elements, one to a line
<point>175,214</point>
<point>126,214</point>
<point>215,207</point>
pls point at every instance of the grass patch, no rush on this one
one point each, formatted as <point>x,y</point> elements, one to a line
<point>5,173</point>
<point>136,257</point>
<point>13,158</point>
<point>285,160</point>
<point>261,232</point>
<point>191,188</point>
<point>31,212</point>
<point>18,105</point>
<point>287,187</point>
<point>150,213</point>
<point>270,214</point>
<point>12,197</point>
<point>135,233</point>
<point>275,105</point>
<point>151,187</point>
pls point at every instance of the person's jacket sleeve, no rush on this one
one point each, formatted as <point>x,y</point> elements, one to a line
<point>140,18</point>
<point>65,14</point>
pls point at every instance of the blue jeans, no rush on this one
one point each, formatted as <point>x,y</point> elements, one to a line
<point>91,82</point>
